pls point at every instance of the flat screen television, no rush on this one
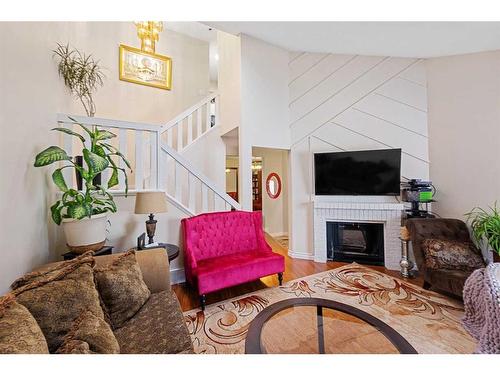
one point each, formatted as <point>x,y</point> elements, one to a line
<point>373,172</point>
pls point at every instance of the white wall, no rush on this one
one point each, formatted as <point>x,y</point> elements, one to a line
<point>31,94</point>
<point>464,131</point>
<point>274,211</point>
<point>345,103</point>
<point>264,105</point>
<point>229,80</point>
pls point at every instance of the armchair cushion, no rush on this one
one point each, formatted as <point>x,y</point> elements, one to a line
<point>451,281</point>
<point>452,255</point>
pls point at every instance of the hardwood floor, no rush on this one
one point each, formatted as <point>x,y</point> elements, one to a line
<point>294,268</point>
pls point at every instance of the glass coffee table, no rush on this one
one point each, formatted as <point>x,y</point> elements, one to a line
<point>315,325</point>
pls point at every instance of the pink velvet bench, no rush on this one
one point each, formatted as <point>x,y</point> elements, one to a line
<point>223,249</point>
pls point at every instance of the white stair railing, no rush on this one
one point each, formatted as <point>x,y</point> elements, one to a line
<point>158,165</point>
<point>191,124</point>
<point>139,142</point>
<point>191,188</point>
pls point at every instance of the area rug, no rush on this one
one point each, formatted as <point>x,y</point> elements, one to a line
<point>430,322</point>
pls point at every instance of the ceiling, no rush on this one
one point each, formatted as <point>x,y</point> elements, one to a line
<point>404,39</point>
<point>193,29</point>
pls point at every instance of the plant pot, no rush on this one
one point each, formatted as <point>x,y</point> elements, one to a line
<point>79,180</point>
<point>87,234</point>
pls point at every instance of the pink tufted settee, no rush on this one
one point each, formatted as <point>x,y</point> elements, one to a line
<point>224,249</point>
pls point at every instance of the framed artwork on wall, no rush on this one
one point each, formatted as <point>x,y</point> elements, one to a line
<point>145,68</point>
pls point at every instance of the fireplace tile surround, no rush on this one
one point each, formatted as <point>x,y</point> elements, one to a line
<point>386,213</point>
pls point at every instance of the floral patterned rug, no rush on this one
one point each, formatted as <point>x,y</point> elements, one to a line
<point>429,321</point>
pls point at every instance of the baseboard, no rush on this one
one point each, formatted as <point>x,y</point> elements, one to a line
<point>294,255</point>
<point>177,276</point>
<point>279,234</point>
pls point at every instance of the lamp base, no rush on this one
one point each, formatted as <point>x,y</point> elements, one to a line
<point>151,228</point>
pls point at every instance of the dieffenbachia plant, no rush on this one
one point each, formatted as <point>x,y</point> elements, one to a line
<point>94,199</point>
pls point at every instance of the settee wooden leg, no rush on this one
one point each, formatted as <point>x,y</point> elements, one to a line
<point>203,300</point>
<point>427,285</point>
<point>280,278</point>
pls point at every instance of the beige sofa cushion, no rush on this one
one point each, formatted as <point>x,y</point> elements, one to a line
<point>158,328</point>
<point>121,288</point>
<point>89,334</point>
<point>154,266</point>
<point>19,331</point>
<point>57,296</point>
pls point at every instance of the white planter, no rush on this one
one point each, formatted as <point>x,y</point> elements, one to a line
<point>87,234</point>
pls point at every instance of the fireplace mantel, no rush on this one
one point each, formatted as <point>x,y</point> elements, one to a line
<point>358,206</point>
<point>387,213</point>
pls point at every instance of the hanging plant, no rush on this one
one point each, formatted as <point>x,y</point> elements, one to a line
<point>81,74</point>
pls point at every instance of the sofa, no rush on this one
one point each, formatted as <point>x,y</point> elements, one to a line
<point>158,327</point>
<point>448,280</point>
<point>225,249</point>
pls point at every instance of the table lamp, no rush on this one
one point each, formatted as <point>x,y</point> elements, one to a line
<point>150,202</point>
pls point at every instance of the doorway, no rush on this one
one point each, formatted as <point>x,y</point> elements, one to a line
<point>270,171</point>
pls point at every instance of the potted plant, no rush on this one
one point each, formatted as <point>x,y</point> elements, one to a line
<point>82,75</point>
<point>486,228</point>
<point>84,213</point>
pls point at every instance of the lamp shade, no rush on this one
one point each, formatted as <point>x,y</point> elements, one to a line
<point>150,202</point>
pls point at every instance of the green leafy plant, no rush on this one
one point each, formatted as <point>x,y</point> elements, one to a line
<point>486,226</point>
<point>94,199</point>
<point>81,73</point>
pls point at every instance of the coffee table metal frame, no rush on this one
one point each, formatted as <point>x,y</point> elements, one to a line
<point>253,341</point>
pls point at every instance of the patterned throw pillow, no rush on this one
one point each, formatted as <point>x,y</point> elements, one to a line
<point>89,335</point>
<point>19,331</point>
<point>452,255</point>
<point>122,288</point>
<point>57,296</point>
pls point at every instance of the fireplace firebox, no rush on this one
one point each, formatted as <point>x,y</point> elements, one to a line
<point>355,242</point>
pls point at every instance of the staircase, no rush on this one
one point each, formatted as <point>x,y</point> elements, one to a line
<point>156,154</point>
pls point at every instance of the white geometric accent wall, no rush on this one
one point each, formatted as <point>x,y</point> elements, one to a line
<point>347,103</point>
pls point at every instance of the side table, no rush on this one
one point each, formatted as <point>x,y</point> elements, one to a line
<point>106,250</point>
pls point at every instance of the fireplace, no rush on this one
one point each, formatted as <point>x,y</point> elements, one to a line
<point>355,242</point>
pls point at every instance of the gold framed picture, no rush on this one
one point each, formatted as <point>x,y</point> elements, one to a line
<point>145,68</point>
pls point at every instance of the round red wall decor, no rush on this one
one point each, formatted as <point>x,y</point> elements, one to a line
<point>273,192</point>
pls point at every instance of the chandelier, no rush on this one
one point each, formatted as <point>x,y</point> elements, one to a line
<point>149,33</point>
